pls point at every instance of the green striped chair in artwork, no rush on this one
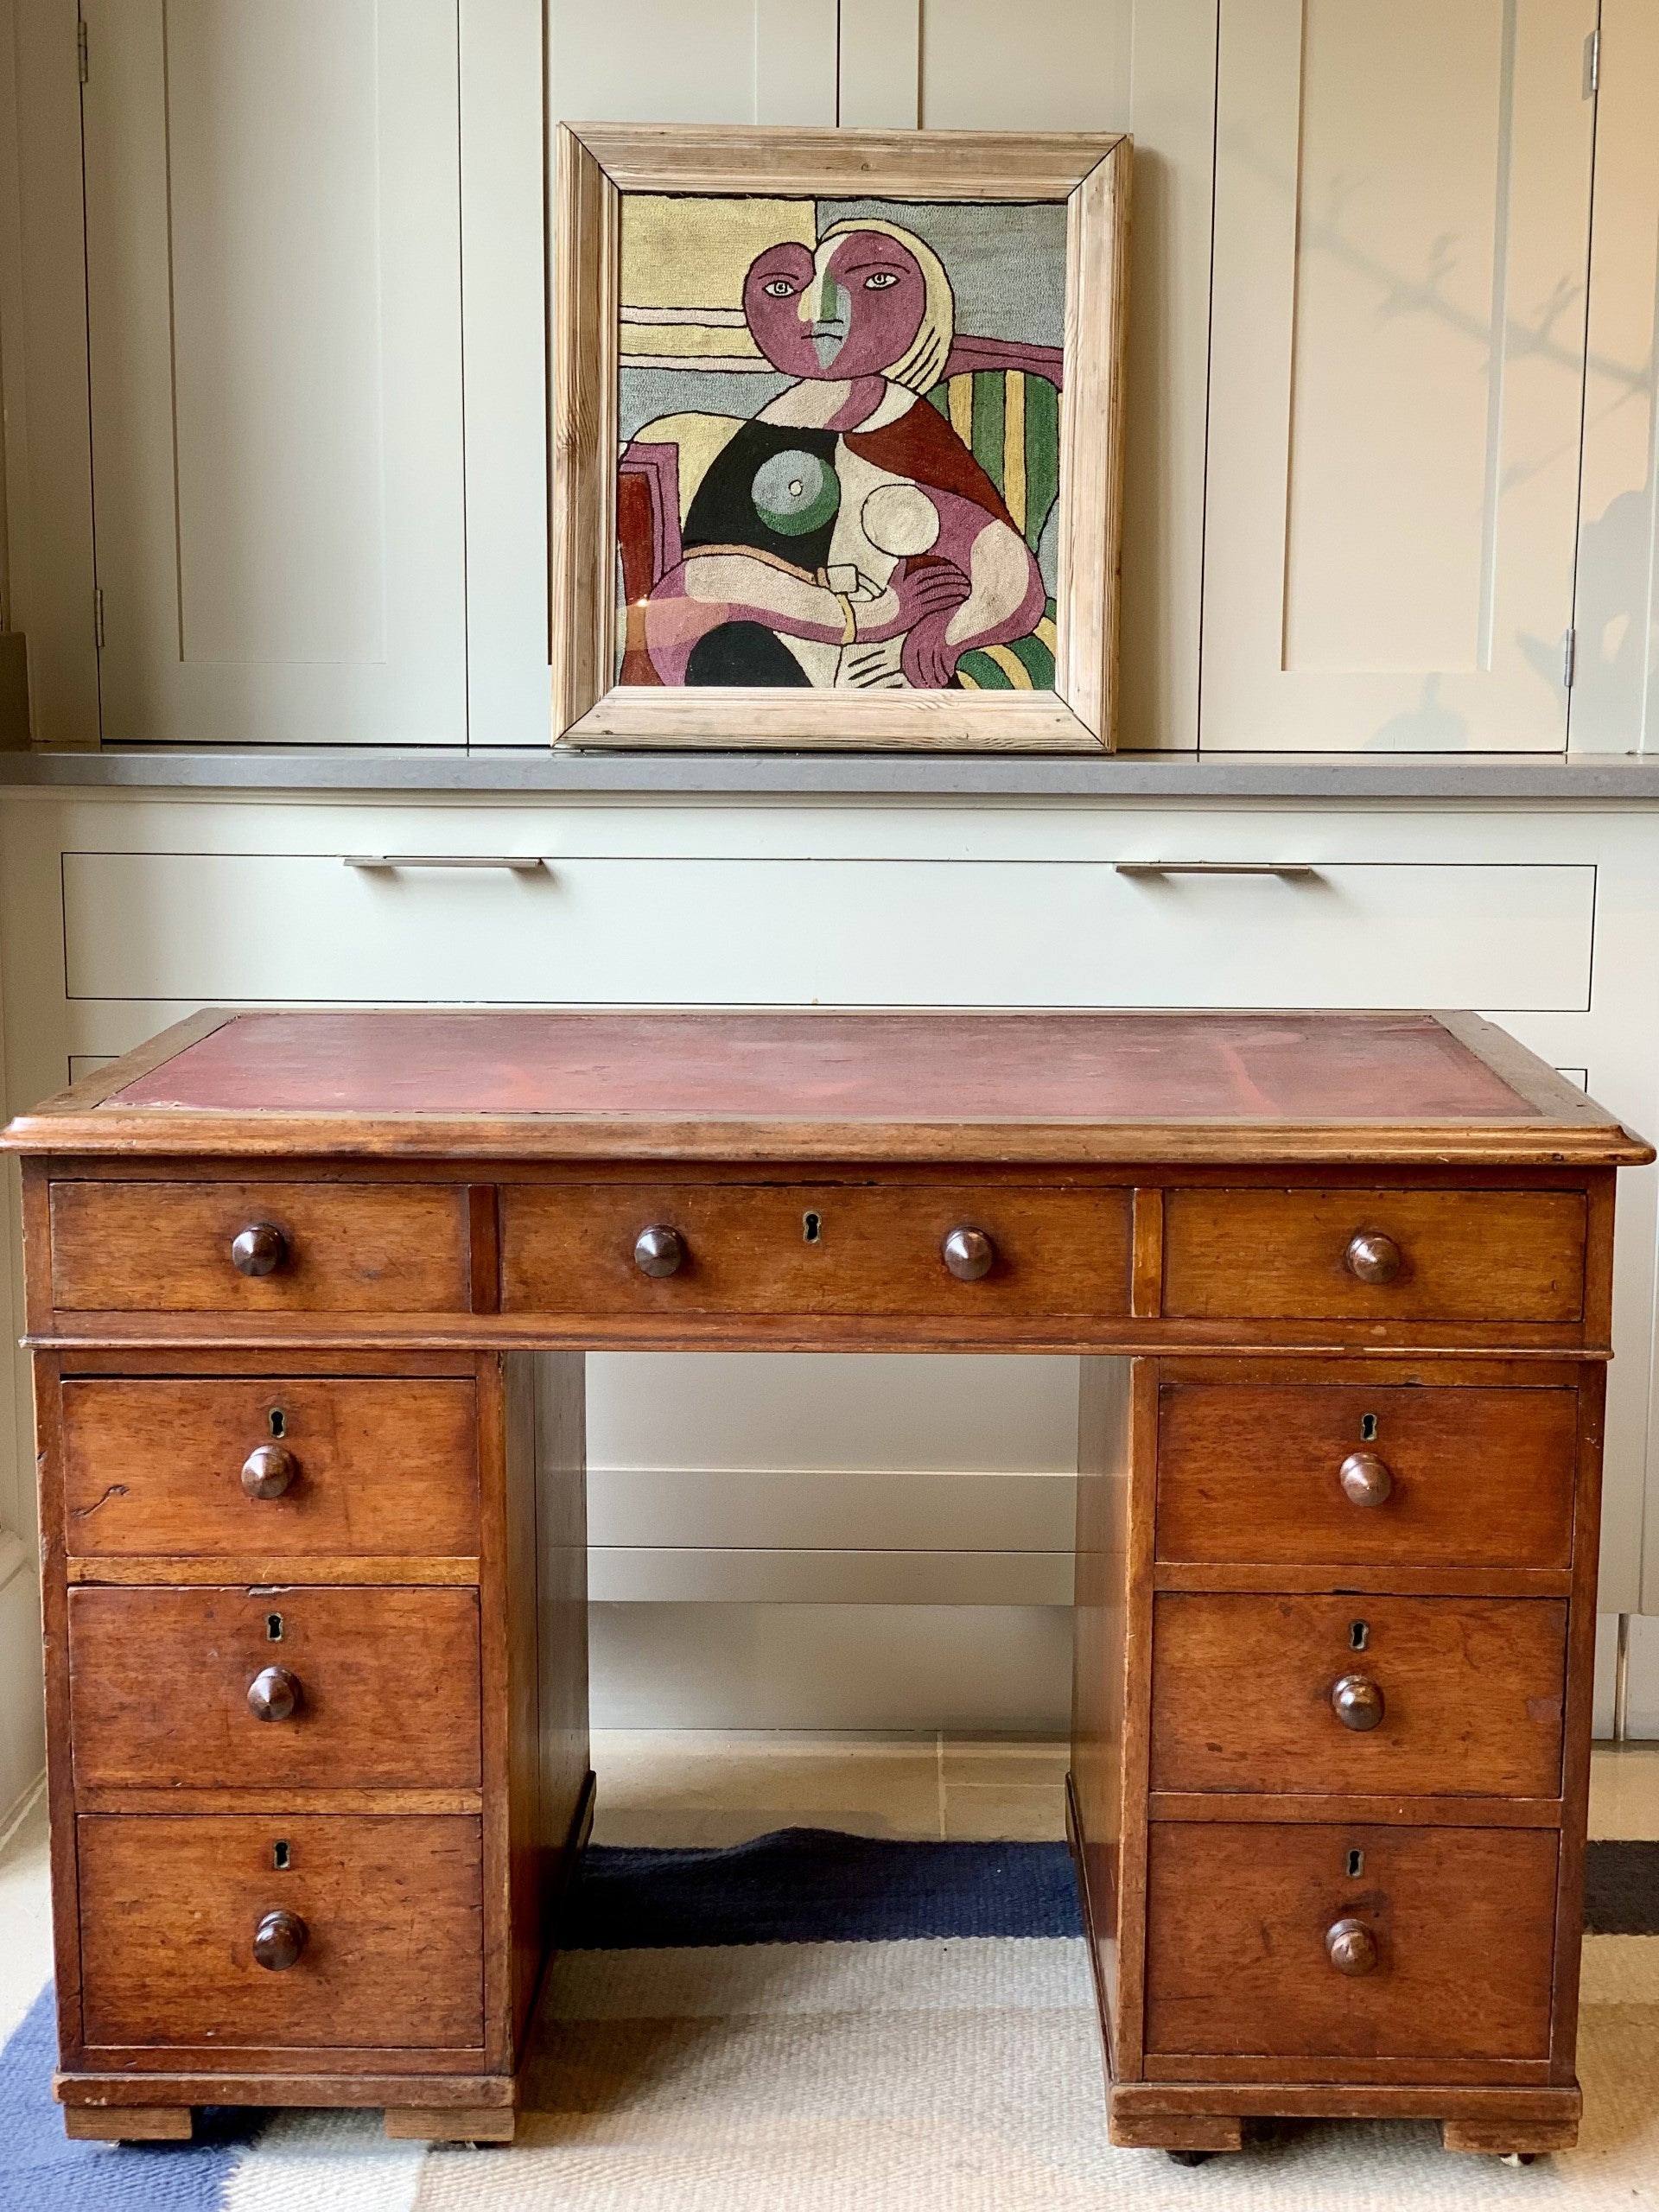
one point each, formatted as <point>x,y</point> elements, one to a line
<point>1009,418</point>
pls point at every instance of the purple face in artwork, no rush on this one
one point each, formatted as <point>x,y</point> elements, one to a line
<point>851,310</point>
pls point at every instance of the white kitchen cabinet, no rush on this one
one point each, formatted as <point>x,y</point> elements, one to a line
<point>274,311</point>
<point>1396,373</point>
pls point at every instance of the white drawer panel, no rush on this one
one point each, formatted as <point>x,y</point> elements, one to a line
<point>247,927</point>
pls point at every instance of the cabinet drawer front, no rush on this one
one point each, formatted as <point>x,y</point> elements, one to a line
<point>814,1249</point>
<point>392,1955</point>
<point>346,1248</point>
<point>1460,1478</point>
<point>1245,1695</point>
<point>156,1467</point>
<point>845,907</point>
<point>1462,1255</point>
<point>1237,1920</point>
<point>387,1689</point>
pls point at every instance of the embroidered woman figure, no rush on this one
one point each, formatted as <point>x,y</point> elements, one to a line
<point>845,535</point>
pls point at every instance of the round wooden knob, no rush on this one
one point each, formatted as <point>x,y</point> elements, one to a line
<point>1372,1256</point>
<point>969,1254</point>
<point>1350,1947</point>
<point>1366,1479</point>
<point>259,1249</point>
<point>273,1693</point>
<point>278,1940</point>
<point>268,1470</point>
<point>1356,1702</point>
<point>659,1251</point>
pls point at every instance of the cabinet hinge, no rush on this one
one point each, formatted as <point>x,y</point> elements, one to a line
<point>97,616</point>
<point>1569,658</point>
<point>80,46</point>
<point>1592,64</point>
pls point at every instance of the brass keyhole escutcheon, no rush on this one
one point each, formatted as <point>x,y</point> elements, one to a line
<point>811,1228</point>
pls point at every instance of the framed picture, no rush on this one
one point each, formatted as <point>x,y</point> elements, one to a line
<point>838,424</point>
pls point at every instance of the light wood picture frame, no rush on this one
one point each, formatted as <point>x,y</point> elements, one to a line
<point>1085,178</point>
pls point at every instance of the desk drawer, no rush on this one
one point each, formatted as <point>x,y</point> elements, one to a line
<point>1255,1472</point>
<point>1426,1255</point>
<point>393,1953</point>
<point>1461,1922</point>
<point>167,1467</point>
<point>343,1248</point>
<point>814,1249</point>
<point>1246,1694</point>
<point>383,1685</point>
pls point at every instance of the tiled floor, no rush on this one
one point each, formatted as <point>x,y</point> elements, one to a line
<point>690,1786</point>
<point>1625,1791</point>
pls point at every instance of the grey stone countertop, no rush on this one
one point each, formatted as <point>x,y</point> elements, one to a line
<point>532,772</point>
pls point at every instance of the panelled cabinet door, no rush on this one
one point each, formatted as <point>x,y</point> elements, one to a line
<point>1403,214</point>
<point>720,61</point>
<point>274,279</point>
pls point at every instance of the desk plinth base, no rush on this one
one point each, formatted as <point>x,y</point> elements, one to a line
<point>161,2107</point>
<point>1210,2116</point>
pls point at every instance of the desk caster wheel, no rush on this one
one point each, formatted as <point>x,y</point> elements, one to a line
<point>1520,2158</point>
<point>1189,2157</point>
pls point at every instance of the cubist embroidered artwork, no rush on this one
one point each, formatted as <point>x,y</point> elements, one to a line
<point>840,427</point>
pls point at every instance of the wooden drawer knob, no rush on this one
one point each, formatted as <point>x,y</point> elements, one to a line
<point>268,1470</point>
<point>1366,1479</point>
<point>1372,1256</point>
<point>1356,1702</point>
<point>259,1249</point>
<point>659,1251</point>
<point>1350,1947</point>
<point>273,1695</point>
<point>278,1940</point>
<point>969,1254</point>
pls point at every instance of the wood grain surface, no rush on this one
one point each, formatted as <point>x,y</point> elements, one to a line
<point>393,1956</point>
<point>1251,1471</point>
<point>1471,1688</point>
<point>814,1249</point>
<point>1464,1920</point>
<point>165,1247</point>
<point>383,1465</point>
<point>159,1684</point>
<point>1476,1256</point>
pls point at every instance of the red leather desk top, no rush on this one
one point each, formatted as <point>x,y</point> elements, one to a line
<point>882,1067</point>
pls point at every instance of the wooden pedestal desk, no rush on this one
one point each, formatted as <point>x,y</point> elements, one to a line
<point>309,1295</point>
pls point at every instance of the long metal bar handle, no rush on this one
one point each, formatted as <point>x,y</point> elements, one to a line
<point>520,863</point>
<point>1215,867</point>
